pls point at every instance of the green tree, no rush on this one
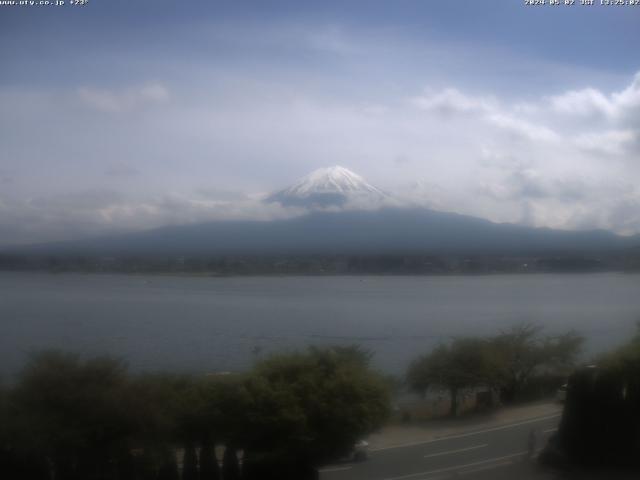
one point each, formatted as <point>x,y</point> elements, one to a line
<point>160,403</point>
<point>523,352</point>
<point>230,464</point>
<point>311,406</point>
<point>17,458</point>
<point>190,462</point>
<point>625,362</point>
<point>74,412</point>
<point>223,405</point>
<point>172,412</point>
<point>168,466</point>
<point>209,468</point>
<point>463,363</point>
<point>600,424</point>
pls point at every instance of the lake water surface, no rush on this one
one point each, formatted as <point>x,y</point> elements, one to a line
<point>222,324</point>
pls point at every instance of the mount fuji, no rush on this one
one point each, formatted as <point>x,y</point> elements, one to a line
<point>344,215</point>
<point>330,187</point>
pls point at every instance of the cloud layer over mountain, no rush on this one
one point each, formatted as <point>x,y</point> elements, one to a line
<point>200,119</point>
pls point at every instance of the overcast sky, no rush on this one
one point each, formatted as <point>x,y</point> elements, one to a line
<point>124,115</point>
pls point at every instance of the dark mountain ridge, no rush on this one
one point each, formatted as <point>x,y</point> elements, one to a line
<point>384,231</point>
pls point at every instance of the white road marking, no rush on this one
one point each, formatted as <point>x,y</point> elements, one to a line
<point>464,435</point>
<point>456,467</point>
<point>449,452</point>
<point>334,469</point>
<point>486,467</point>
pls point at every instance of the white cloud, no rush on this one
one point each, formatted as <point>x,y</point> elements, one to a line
<point>451,101</point>
<point>627,102</point>
<point>585,102</point>
<point>564,161</point>
<point>523,128</point>
<point>589,102</point>
<point>100,212</point>
<point>557,163</point>
<point>609,143</point>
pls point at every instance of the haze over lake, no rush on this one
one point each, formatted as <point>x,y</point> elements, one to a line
<point>223,324</point>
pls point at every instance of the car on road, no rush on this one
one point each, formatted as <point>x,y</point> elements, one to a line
<point>360,452</point>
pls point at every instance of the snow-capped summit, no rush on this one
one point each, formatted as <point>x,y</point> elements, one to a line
<point>328,187</point>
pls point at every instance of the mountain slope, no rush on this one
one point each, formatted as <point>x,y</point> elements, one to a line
<point>389,230</point>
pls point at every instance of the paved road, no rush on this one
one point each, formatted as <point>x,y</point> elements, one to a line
<point>491,453</point>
